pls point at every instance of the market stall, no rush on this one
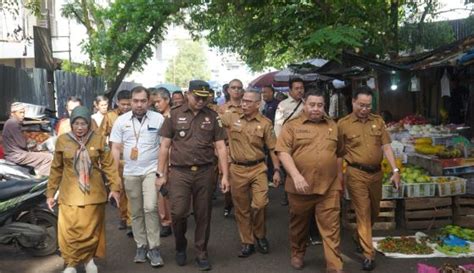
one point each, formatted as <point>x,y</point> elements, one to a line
<point>437,175</point>
<point>448,242</point>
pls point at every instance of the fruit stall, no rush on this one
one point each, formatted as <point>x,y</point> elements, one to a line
<point>436,195</point>
<point>437,190</point>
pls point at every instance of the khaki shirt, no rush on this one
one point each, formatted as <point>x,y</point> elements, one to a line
<point>229,107</point>
<point>362,142</point>
<point>213,107</point>
<point>192,136</point>
<point>64,126</point>
<point>314,148</point>
<point>247,138</point>
<point>108,122</point>
<point>64,179</point>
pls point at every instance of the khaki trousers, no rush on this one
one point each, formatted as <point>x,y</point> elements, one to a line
<point>143,199</point>
<point>249,186</point>
<point>327,210</point>
<point>365,190</point>
<point>124,206</point>
<point>38,160</point>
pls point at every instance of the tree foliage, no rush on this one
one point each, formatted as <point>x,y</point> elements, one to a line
<point>433,35</point>
<point>190,63</point>
<point>12,8</point>
<point>121,35</point>
<point>80,69</point>
<point>275,32</point>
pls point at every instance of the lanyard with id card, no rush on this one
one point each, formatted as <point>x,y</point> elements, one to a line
<point>134,150</point>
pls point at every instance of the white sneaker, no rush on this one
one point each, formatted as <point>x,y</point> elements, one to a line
<point>70,270</point>
<point>91,267</point>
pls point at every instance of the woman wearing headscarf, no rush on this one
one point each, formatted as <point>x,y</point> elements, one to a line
<point>80,158</point>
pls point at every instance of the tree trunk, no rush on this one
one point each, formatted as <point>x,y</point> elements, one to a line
<point>394,25</point>
<point>114,84</point>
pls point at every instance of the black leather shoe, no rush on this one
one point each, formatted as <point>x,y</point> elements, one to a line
<point>165,231</point>
<point>180,258</point>
<point>262,245</point>
<point>203,264</point>
<point>246,250</point>
<point>368,265</point>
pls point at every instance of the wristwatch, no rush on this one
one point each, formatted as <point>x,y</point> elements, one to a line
<point>159,175</point>
<point>396,170</point>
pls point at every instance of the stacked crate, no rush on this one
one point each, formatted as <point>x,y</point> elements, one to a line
<point>463,209</point>
<point>385,221</point>
<point>426,213</point>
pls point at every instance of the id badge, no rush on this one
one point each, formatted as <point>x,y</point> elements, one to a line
<point>134,153</point>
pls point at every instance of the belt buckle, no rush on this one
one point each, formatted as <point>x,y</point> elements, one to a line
<point>194,168</point>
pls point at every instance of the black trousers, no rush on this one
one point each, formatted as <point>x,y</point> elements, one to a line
<point>186,185</point>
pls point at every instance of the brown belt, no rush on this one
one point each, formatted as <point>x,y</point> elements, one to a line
<point>248,163</point>
<point>366,168</point>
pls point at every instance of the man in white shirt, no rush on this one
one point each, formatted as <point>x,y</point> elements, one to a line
<point>290,107</point>
<point>137,133</point>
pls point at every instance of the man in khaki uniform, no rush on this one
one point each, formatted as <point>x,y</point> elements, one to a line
<point>233,105</point>
<point>307,147</point>
<point>365,141</point>
<point>123,103</point>
<point>287,109</point>
<point>249,133</point>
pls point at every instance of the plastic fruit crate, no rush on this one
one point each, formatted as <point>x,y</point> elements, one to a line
<point>420,189</point>
<point>450,185</point>
<point>389,192</point>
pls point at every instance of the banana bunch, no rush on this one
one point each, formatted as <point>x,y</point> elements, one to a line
<point>387,169</point>
<point>428,149</point>
<point>450,152</point>
<point>424,141</point>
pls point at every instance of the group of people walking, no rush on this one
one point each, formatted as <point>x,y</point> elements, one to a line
<point>181,154</point>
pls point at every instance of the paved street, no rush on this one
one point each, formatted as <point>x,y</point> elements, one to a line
<point>223,248</point>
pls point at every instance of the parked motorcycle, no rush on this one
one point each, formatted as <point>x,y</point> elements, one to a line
<point>24,219</point>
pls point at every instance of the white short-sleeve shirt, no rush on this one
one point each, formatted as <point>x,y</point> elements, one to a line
<point>125,131</point>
